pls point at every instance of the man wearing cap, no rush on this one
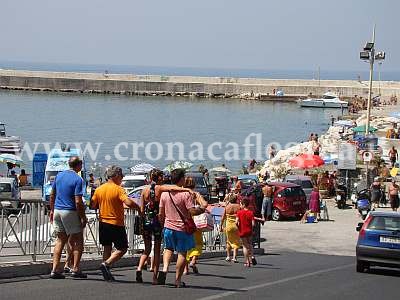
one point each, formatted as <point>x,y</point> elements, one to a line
<point>110,199</point>
<point>67,213</point>
<point>394,195</point>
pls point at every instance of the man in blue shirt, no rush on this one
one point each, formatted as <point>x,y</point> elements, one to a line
<point>67,212</point>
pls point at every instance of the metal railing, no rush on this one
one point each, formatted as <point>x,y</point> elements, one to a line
<point>26,231</point>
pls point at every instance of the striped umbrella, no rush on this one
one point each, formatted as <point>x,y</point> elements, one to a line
<point>142,168</point>
<point>11,159</point>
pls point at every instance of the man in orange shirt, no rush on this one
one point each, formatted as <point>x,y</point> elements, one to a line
<point>110,198</point>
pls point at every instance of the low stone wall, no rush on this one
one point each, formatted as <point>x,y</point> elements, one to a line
<point>185,85</point>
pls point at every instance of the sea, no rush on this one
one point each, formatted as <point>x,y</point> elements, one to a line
<point>127,130</point>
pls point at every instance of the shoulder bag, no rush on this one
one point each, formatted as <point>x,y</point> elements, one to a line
<point>190,226</point>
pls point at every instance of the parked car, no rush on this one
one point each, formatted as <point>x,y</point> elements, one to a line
<point>378,241</point>
<point>304,181</point>
<point>130,182</point>
<point>289,201</point>
<point>202,186</point>
<point>10,194</point>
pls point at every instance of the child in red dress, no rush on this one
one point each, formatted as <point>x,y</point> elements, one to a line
<point>245,223</point>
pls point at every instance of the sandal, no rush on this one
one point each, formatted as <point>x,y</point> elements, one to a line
<point>253,261</point>
<point>139,278</point>
<point>180,285</point>
<point>161,278</point>
<point>194,268</point>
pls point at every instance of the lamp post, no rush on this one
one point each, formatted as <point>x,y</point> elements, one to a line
<point>369,54</point>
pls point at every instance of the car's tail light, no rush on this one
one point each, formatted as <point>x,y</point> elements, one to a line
<point>366,223</point>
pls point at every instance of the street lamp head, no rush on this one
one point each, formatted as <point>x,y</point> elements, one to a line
<point>364,55</point>
<point>380,55</point>
<point>369,46</point>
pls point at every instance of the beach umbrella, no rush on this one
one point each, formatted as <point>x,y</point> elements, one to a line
<point>220,170</point>
<point>11,159</point>
<point>142,168</point>
<point>361,129</point>
<point>306,161</point>
<point>178,165</point>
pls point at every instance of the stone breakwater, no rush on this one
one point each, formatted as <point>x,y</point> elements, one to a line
<point>215,87</point>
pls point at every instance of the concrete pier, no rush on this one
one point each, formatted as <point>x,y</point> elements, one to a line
<point>217,87</point>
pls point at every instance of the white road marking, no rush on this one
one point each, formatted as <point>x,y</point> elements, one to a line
<point>254,287</point>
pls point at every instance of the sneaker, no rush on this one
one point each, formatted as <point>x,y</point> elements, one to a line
<point>105,270</point>
<point>235,260</point>
<point>78,274</point>
<point>56,275</point>
<point>253,261</point>
<point>228,258</point>
<point>139,277</point>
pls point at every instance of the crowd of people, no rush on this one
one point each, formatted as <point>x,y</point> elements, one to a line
<point>166,214</point>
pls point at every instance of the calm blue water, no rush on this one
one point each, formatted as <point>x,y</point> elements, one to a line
<point>50,117</point>
<point>246,73</point>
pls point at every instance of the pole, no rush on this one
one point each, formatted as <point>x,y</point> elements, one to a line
<point>379,77</point>
<point>319,76</point>
<point>371,74</point>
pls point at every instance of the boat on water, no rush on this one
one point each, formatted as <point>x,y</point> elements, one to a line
<point>9,144</point>
<point>328,100</point>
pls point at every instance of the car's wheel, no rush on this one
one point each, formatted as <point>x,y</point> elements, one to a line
<point>361,266</point>
<point>276,214</point>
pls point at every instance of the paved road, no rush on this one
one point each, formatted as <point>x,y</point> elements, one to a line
<point>286,275</point>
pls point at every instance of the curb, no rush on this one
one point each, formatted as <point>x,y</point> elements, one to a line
<point>28,269</point>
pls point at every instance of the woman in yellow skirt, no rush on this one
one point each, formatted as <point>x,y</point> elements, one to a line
<point>228,224</point>
<point>193,254</point>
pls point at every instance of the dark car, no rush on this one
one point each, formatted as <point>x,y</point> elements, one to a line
<point>304,181</point>
<point>202,186</point>
<point>378,241</point>
<point>289,201</point>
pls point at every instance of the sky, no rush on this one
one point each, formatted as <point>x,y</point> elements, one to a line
<point>229,34</point>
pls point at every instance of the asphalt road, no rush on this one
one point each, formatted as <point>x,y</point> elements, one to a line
<point>285,275</point>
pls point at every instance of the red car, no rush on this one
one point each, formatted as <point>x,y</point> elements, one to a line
<point>289,201</point>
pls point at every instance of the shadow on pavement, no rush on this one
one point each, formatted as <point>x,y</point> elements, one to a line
<point>384,272</point>
<point>199,287</point>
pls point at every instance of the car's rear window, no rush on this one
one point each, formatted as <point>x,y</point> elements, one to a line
<point>132,183</point>
<point>292,191</point>
<point>384,223</point>
<point>306,184</point>
<point>5,187</point>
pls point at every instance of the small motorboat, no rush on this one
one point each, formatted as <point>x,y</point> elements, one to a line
<point>9,144</point>
<point>328,100</point>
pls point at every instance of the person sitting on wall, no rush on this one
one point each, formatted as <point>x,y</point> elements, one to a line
<point>23,178</point>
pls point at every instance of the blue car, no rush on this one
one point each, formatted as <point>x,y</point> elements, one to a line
<point>378,241</point>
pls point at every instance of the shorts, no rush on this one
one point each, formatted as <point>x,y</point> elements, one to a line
<point>112,234</point>
<point>66,221</point>
<point>151,230</point>
<point>394,201</point>
<point>178,241</point>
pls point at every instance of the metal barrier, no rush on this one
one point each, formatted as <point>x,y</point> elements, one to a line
<point>26,231</point>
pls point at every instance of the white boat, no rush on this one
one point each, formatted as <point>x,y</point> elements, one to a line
<point>9,144</point>
<point>328,100</point>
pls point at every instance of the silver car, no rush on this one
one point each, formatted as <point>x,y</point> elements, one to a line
<point>10,194</point>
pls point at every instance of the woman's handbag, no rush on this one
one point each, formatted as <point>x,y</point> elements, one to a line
<point>137,225</point>
<point>190,226</point>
